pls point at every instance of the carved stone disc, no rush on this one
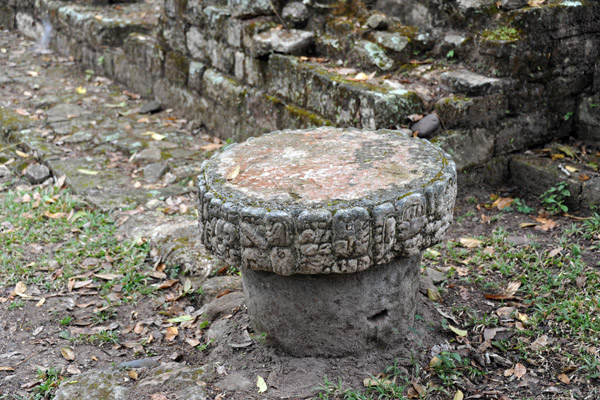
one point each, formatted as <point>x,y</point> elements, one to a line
<point>325,200</point>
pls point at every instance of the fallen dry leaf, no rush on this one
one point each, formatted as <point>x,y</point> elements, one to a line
<point>571,169</point>
<point>167,284</point>
<point>503,202</point>
<point>235,172</point>
<point>172,333</point>
<point>67,353</point>
<point>261,384</point>
<point>133,374</point>
<point>505,312</point>
<point>539,343</point>
<point>7,369</point>
<point>470,243</point>
<point>564,379</point>
<point>20,288</point>
<point>212,146</point>
<point>107,277</point>
<point>158,396</point>
<point>555,252</point>
<point>520,370</point>
<point>192,342</point>
<point>546,224</point>
<point>459,395</point>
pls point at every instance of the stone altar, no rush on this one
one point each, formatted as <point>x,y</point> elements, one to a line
<point>328,226</point>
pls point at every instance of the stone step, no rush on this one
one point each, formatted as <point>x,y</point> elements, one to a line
<point>537,172</point>
<point>101,26</point>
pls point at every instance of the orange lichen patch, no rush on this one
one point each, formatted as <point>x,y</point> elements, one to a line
<point>324,164</point>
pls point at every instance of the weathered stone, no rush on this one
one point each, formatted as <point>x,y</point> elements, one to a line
<point>195,75</point>
<point>170,379</point>
<point>463,81</point>
<point>468,148</point>
<point>64,112</point>
<point>140,363</point>
<point>37,173</point>
<point>5,174</point>
<point>235,382</point>
<point>377,21</point>
<point>538,174</point>
<point>217,330</point>
<point>427,126</point>
<point>223,305</point>
<point>337,99</point>
<point>95,384</point>
<point>426,285</point>
<point>196,44</point>
<point>155,171</point>
<point>291,41</point>
<point>371,54</point>
<point>250,8</point>
<point>221,214</point>
<point>334,314</point>
<point>218,284</point>
<point>149,155</point>
<point>435,275</point>
<point>150,107</point>
<point>295,14</point>
<point>512,4</point>
<point>590,195</point>
<point>588,123</point>
<point>465,5</point>
<point>392,41</point>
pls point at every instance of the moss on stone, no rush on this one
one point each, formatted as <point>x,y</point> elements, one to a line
<point>309,116</point>
<point>177,67</point>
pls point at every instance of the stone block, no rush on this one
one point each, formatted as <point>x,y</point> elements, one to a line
<point>173,34</point>
<point>588,120</point>
<point>251,8</point>
<point>295,14</point>
<point>471,112</point>
<point>195,75</point>
<point>196,44</point>
<point>515,134</point>
<point>177,67</point>
<point>370,55</point>
<point>332,96</point>
<point>590,196</point>
<point>291,41</point>
<point>396,43</point>
<point>468,148</point>
<point>537,175</point>
<point>467,82</point>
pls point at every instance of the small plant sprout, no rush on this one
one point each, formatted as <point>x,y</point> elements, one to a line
<point>554,198</point>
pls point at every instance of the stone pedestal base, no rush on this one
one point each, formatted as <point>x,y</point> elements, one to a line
<point>334,314</point>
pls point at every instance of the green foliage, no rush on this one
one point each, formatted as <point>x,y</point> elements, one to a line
<point>505,33</point>
<point>554,198</point>
<point>50,378</point>
<point>66,320</point>
<point>522,207</point>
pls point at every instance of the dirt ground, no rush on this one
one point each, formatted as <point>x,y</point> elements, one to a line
<point>32,337</point>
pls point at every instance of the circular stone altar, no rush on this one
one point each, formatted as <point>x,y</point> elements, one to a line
<point>328,226</point>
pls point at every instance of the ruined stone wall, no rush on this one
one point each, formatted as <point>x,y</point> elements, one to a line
<point>502,79</point>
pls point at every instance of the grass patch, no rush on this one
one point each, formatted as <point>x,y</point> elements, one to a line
<point>49,236</point>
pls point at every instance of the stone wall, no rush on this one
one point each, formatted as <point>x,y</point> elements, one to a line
<point>502,79</point>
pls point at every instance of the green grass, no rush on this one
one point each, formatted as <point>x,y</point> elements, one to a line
<point>46,234</point>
